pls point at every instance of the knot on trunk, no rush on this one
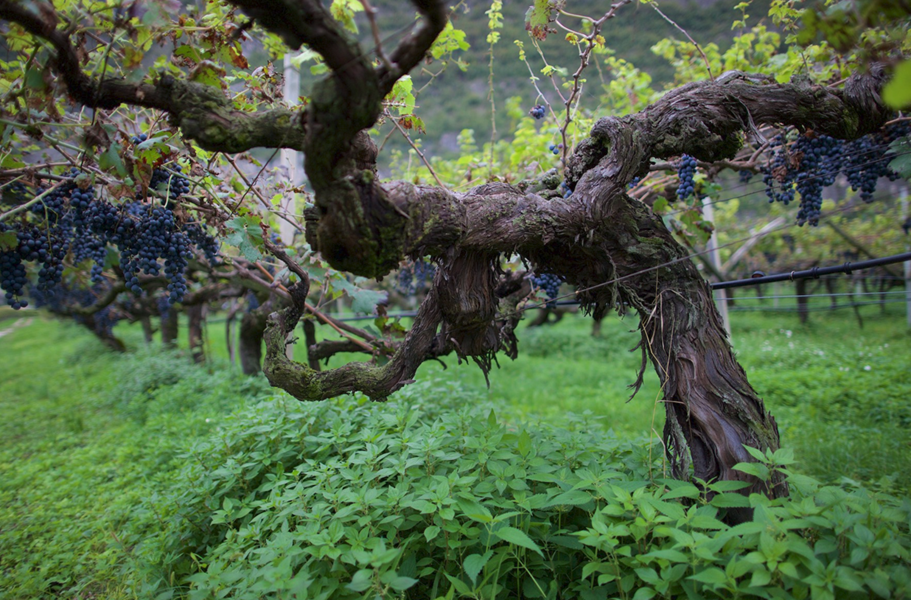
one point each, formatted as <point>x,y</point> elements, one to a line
<point>359,231</point>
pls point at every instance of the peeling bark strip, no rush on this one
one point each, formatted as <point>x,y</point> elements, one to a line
<point>600,239</point>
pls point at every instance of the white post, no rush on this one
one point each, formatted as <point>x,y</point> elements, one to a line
<point>907,263</point>
<point>291,160</point>
<point>293,163</point>
<point>721,296</point>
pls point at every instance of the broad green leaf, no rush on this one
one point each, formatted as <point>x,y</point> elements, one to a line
<point>34,79</point>
<point>365,301</point>
<point>397,582</point>
<point>644,593</point>
<point>431,533</point>
<point>474,510</point>
<point>592,567</point>
<point>209,73</point>
<point>460,586</point>
<point>573,497</point>
<point>524,443</point>
<point>8,240</point>
<point>728,485</point>
<point>305,55</point>
<point>474,564</point>
<point>449,40</point>
<point>648,575</point>
<point>757,470</point>
<point>402,95</point>
<point>688,490</point>
<point>897,93</point>
<point>110,159</point>
<point>730,501</point>
<point>901,164</point>
<point>343,12</point>
<point>538,18</point>
<point>518,538</point>
<point>756,453</point>
<point>362,301</point>
<point>361,580</point>
<point>240,237</point>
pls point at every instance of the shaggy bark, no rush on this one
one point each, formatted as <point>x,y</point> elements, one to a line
<point>250,339</point>
<point>148,332</point>
<point>169,328</point>
<point>196,320</point>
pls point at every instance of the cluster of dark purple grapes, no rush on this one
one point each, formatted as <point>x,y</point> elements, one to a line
<point>202,241</point>
<point>53,206</point>
<point>867,159</point>
<point>538,112</point>
<point>634,182</point>
<point>167,182</point>
<point>13,276</point>
<point>567,191</point>
<point>820,161</point>
<point>686,169</point>
<point>415,276</point>
<point>775,175</point>
<point>143,242</point>
<point>84,226</point>
<point>745,175</point>
<point>555,148</point>
<point>814,161</point>
<point>166,179</point>
<point>550,285</point>
<point>45,247</point>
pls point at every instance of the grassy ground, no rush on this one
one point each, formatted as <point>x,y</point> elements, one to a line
<point>82,443</point>
<point>841,393</point>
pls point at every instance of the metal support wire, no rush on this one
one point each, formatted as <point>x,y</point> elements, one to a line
<point>811,309</point>
<point>815,272</point>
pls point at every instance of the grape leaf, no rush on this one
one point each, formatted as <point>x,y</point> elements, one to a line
<point>901,164</point>
<point>209,73</point>
<point>110,159</point>
<point>242,239</point>
<point>897,93</point>
<point>362,301</point>
<point>538,18</point>
<point>8,240</point>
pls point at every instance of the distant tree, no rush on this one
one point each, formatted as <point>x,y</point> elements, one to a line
<point>73,89</point>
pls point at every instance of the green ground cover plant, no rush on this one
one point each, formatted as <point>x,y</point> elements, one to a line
<point>144,476</point>
<point>87,435</point>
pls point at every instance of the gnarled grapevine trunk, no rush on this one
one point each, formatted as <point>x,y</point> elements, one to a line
<point>169,331</point>
<point>250,340</point>
<point>195,321</point>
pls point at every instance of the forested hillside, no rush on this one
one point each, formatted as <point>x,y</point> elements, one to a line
<point>458,99</point>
